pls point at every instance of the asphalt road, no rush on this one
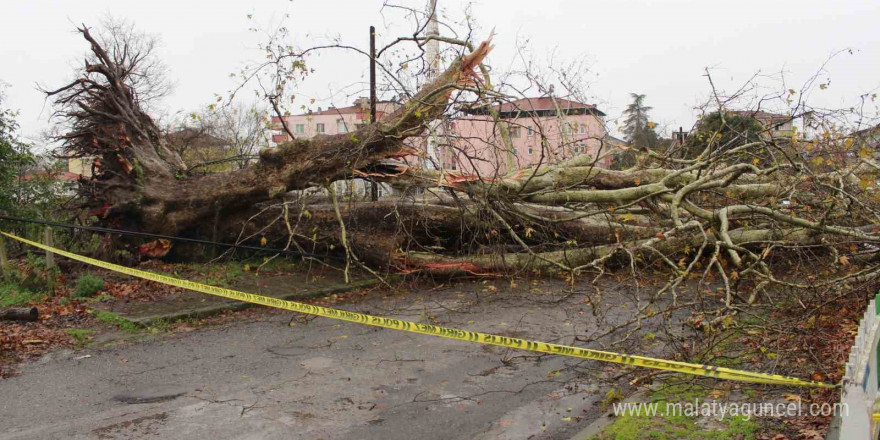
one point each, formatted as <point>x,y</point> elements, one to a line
<point>323,379</point>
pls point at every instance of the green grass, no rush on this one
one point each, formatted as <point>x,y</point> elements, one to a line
<point>277,264</point>
<point>665,426</point>
<point>116,320</point>
<point>80,335</point>
<point>13,295</point>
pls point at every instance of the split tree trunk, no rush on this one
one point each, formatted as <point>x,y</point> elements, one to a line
<point>142,184</point>
<point>568,216</point>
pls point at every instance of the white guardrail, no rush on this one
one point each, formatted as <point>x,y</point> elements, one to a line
<point>861,382</point>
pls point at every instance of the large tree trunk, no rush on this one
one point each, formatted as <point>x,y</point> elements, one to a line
<point>733,204</point>
<point>141,183</point>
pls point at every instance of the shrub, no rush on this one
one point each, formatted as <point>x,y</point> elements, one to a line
<point>88,285</point>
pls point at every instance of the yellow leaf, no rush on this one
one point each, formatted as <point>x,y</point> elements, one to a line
<point>844,260</point>
<point>734,275</point>
<point>263,241</point>
<point>638,181</point>
<point>716,394</point>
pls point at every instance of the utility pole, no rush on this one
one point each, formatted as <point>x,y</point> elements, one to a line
<point>432,58</point>
<point>374,188</point>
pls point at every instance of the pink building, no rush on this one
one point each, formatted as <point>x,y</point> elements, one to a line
<point>542,131</point>
<point>331,121</point>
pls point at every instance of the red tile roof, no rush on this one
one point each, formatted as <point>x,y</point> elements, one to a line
<point>543,103</point>
<point>761,115</point>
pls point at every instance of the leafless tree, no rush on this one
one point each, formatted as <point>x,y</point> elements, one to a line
<point>219,138</point>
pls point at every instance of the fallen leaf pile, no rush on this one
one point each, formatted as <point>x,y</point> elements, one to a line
<point>20,341</point>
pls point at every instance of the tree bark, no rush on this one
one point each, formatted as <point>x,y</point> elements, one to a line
<point>20,314</point>
<point>141,183</point>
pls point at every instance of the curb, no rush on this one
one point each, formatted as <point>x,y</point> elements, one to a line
<point>216,309</point>
<point>605,418</point>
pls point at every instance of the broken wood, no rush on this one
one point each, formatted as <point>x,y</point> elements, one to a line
<point>724,211</point>
<point>20,314</point>
<point>142,185</point>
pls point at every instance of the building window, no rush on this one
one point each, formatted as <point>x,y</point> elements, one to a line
<point>530,131</point>
<point>583,128</point>
<point>319,128</point>
<point>453,166</point>
<point>566,128</point>
<point>514,132</point>
<point>340,126</point>
<point>300,128</point>
<point>531,150</point>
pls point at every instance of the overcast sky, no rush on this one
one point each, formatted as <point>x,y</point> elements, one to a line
<point>659,48</point>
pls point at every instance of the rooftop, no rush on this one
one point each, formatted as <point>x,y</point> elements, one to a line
<point>761,114</point>
<point>541,106</point>
<point>361,105</point>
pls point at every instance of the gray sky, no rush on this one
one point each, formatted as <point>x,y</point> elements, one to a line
<point>659,48</point>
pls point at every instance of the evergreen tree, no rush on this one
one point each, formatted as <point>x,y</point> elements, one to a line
<point>638,130</point>
<point>721,133</point>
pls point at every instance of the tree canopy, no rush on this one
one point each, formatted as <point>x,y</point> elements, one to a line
<point>721,130</point>
<point>637,127</point>
<point>14,157</point>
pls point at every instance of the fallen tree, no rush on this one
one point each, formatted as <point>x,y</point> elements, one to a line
<point>721,214</point>
<point>139,182</point>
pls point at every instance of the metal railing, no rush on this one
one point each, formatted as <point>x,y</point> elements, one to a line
<point>861,384</point>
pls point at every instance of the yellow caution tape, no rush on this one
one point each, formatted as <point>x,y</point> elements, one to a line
<point>446,332</point>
